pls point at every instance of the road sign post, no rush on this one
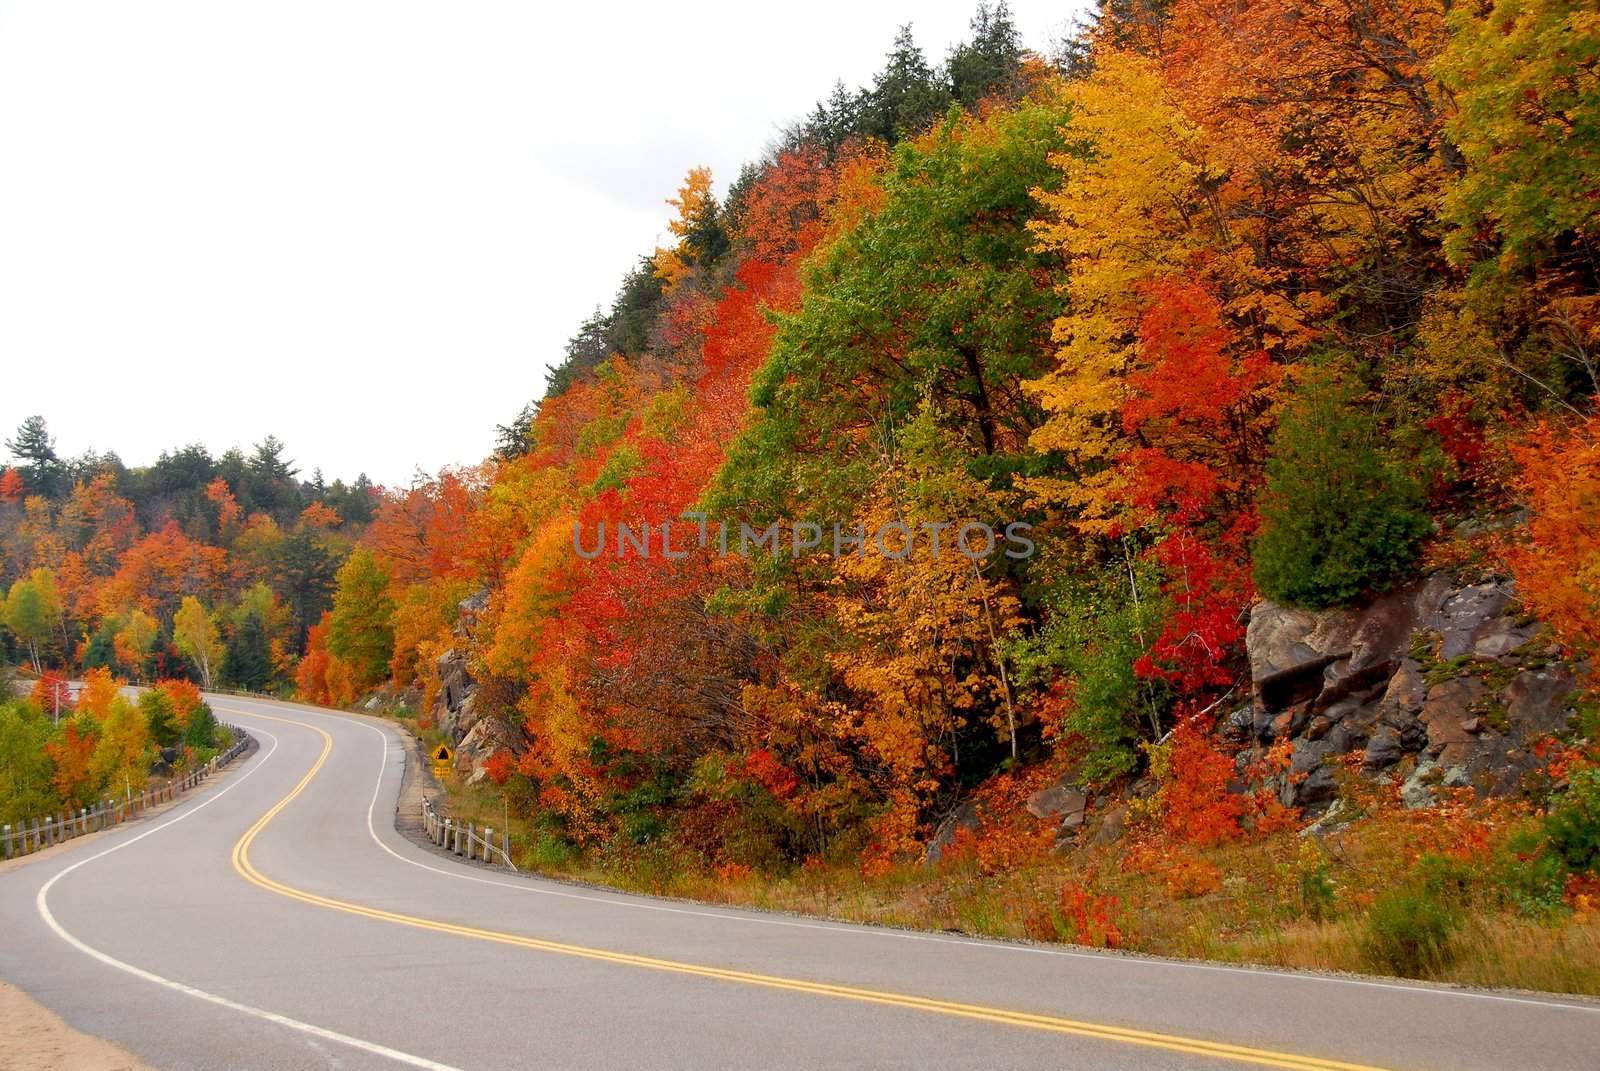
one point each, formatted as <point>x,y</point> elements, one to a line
<point>441,761</point>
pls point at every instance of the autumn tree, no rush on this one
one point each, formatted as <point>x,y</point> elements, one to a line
<point>134,640</point>
<point>122,755</point>
<point>195,632</point>
<point>1525,75</point>
<point>72,753</point>
<point>697,226</point>
<point>100,692</point>
<point>361,625</point>
<point>1557,559</point>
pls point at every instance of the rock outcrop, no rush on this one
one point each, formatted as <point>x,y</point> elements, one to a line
<point>459,710</point>
<point>453,703</point>
<point>1449,675</point>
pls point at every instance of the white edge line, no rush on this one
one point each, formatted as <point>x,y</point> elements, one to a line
<point>903,935</point>
<point>42,902</point>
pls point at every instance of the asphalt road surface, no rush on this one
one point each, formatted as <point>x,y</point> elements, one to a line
<point>276,919</point>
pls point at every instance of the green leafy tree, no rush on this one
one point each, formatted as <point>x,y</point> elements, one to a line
<point>26,790</point>
<point>361,627</point>
<point>941,296</point>
<point>201,732</point>
<point>247,662</point>
<point>1573,824</point>
<point>160,717</point>
<point>101,651</point>
<point>1083,659</point>
<point>31,618</point>
<point>1340,517</point>
<point>1526,80</point>
<point>304,571</point>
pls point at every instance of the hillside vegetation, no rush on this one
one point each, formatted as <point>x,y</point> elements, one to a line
<point>1225,306</point>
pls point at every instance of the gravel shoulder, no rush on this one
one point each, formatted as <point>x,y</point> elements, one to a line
<point>34,1038</point>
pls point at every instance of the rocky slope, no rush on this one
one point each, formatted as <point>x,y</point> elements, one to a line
<point>1448,675</point>
<point>1443,682</point>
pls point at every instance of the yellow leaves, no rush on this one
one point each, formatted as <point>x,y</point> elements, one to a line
<point>1455,348</point>
<point>134,639</point>
<point>917,647</point>
<point>1128,210</point>
<point>532,599</point>
<point>669,267</point>
<point>695,203</point>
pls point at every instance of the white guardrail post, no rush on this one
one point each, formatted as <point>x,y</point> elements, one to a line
<point>464,838</point>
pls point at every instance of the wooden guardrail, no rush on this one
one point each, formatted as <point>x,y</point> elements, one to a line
<point>463,838</point>
<point>31,835</point>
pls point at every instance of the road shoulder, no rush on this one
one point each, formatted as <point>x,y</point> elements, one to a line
<point>34,1038</point>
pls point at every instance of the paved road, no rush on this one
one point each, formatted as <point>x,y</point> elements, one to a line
<point>276,920</point>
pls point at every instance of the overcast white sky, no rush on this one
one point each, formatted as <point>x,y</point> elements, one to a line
<point>366,226</point>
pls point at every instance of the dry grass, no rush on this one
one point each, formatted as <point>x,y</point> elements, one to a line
<point>1284,901</point>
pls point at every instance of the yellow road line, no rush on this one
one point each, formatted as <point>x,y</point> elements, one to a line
<point>1149,1039</point>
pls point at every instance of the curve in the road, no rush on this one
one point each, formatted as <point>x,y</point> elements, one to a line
<point>42,902</point>
<point>1006,1017</point>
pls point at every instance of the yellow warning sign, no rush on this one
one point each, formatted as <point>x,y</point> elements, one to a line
<point>441,761</point>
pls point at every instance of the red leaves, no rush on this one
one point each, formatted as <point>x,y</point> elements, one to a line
<point>159,570</point>
<point>783,215</point>
<point>764,767</point>
<point>185,698</point>
<point>500,766</point>
<point>1208,595</point>
<point>1196,804</point>
<point>1557,564</point>
<point>1462,434</point>
<point>1197,404</point>
<point>1187,375</point>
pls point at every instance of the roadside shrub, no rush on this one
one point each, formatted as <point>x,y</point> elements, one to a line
<point>1573,825</point>
<point>1409,931</point>
<point>1339,517</point>
<point>1532,876</point>
<point>1317,891</point>
<point>548,852</point>
<point>1190,876</point>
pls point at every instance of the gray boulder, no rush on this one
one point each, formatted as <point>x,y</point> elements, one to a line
<point>1061,800</point>
<point>964,817</point>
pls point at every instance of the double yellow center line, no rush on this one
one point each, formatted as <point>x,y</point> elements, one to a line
<point>1149,1039</point>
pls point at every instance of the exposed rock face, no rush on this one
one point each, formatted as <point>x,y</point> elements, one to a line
<point>486,737</point>
<point>964,817</point>
<point>463,712</point>
<point>455,694</point>
<point>1448,673</point>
